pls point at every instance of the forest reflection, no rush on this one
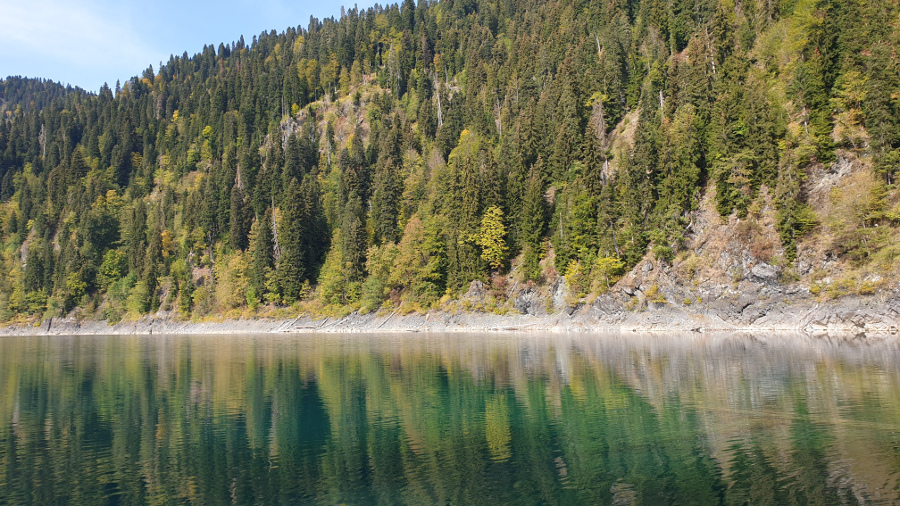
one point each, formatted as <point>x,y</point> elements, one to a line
<point>449,418</point>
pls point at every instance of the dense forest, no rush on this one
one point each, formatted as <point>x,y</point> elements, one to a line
<point>392,156</point>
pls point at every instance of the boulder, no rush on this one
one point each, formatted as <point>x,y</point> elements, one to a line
<point>476,291</point>
<point>764,273</point>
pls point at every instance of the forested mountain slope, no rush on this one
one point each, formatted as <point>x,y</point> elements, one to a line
<point>393,156</point>
<point>19,94</point>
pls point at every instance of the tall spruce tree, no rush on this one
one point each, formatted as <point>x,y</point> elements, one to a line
<point>293,264</point>
<point>262,254</point>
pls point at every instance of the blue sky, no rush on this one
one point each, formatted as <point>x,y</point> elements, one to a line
<point>88,42</point>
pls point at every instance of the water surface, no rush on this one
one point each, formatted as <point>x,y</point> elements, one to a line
<point>486,419</point>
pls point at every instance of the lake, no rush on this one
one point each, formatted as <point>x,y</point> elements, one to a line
<point>468,418</point>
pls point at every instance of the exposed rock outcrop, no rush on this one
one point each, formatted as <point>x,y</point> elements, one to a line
<point>730,311</point>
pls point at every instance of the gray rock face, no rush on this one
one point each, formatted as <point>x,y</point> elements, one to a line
<point>530,303</point>
<point>655,306</point>
<point>559,295</point>
<point>764,273</point>
<point>795,289</point>
<point>605,306</point>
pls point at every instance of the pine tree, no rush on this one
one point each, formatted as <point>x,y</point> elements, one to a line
<point>568,139</point>
<point>353,239</point>
<point>314,235</point>
<point>387,189</point>
<point>262,254</point>
<point>293,160</point>
<point>293,264</point>
<point>354,171</point>
<point>533,222</point>
<point>239,219</point>
<point>462,209</point>
<point>136,236</point>
<point>882,110</point>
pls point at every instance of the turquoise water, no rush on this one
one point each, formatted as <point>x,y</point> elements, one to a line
<point>423,419</point>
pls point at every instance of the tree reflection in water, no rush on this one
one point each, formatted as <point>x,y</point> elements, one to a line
<point>448,418</point>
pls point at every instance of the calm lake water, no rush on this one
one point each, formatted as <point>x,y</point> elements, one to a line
<point>485,419</point>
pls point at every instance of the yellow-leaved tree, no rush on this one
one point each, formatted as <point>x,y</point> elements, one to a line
<point>608,270</point>
<point>492,238</point>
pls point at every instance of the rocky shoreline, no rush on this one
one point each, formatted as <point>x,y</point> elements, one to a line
<point>858,316</point>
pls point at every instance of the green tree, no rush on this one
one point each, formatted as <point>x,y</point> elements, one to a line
<point>293,264</point>
<point>262,254</point>
<point>533,222</point>
<point>239,219</point>
<point>353,240</point>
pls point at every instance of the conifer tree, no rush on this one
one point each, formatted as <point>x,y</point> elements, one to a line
<point>239,219</point>
<point>353,239</point>
<point>462,210</point>
<point>293,264</point>
<point>568,139</point>
<point>262,254</point>
<point>387,188</point>
<point>135,237</point>
<point>533,222</point>
<point>314,236</point>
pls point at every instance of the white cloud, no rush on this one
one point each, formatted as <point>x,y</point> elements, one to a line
<point>72,33</point>
<point>89,42</point>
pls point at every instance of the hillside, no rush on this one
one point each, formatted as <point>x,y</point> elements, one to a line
<point>468,154</point>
